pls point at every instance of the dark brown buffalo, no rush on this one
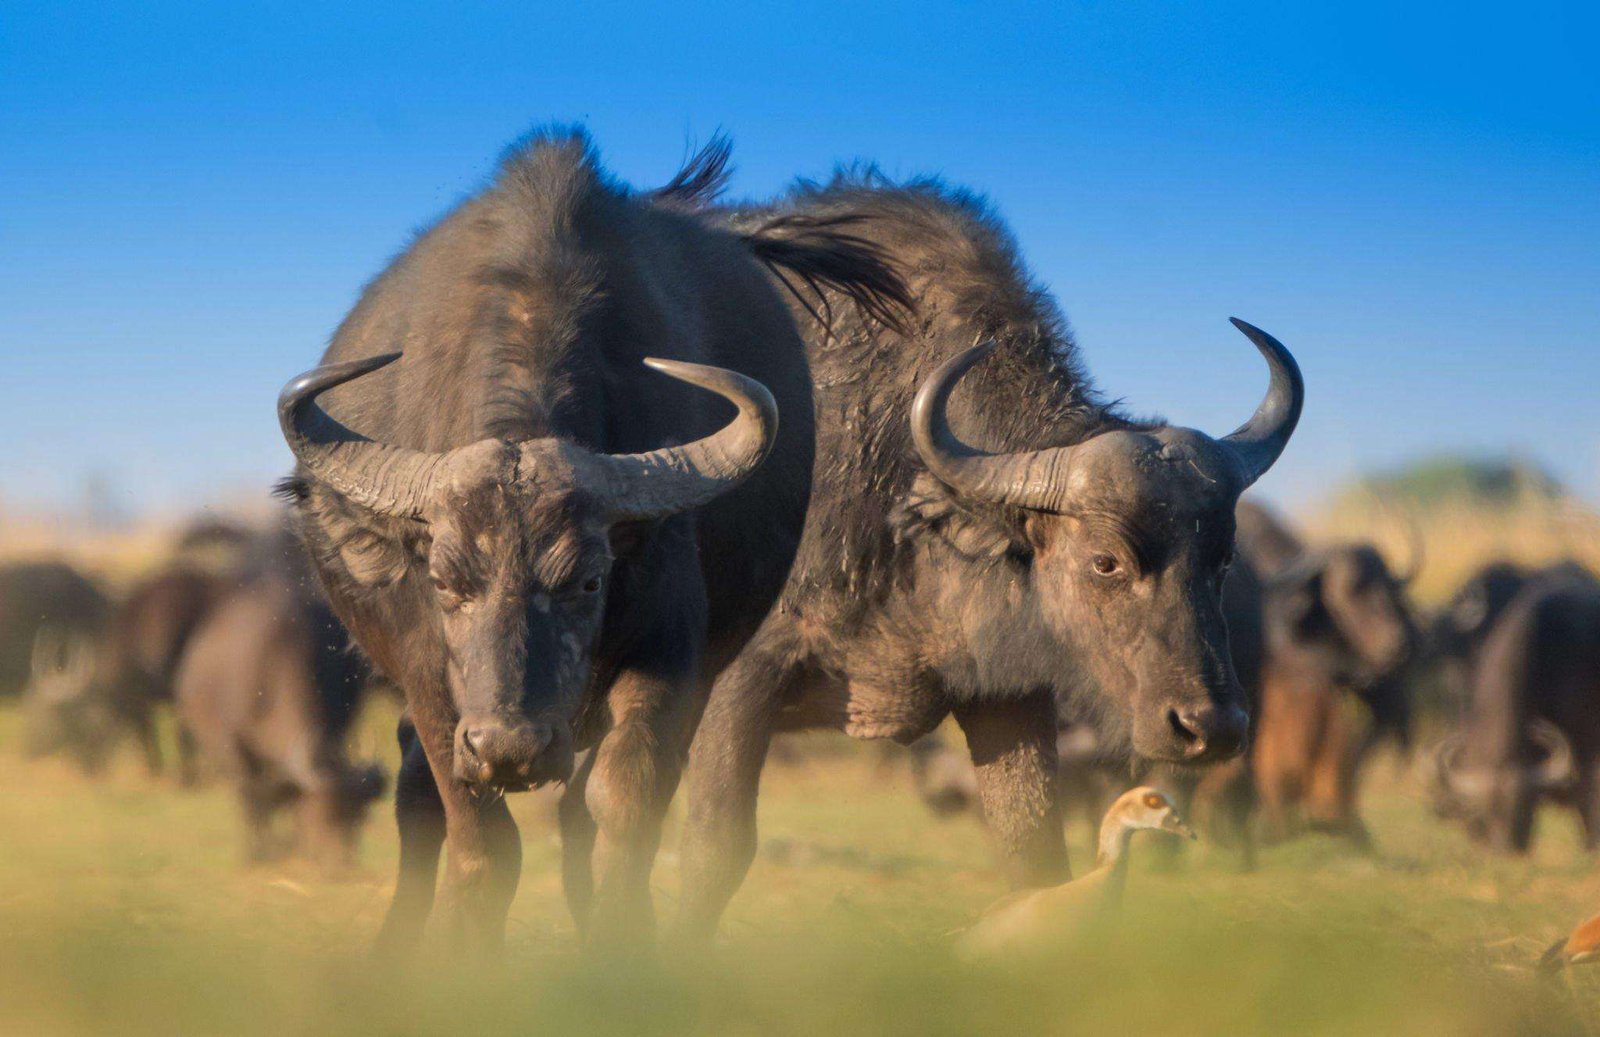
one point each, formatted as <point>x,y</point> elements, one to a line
<point>984,532</point>
<point>44,596</point>
<point>268,688</point>
<point>1338,633</point>
<point>504,522</point>
<point>1462,626</point>
<point>129,677</point>
<point>1532,728</point>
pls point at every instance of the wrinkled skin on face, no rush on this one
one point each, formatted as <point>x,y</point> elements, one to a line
<point>518,564</point>
<point>1132,573</point>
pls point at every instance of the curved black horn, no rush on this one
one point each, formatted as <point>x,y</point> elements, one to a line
<point>678,478</point>
<point>388,480</point>
<point>1258,442</point>
<point>1028,479</point>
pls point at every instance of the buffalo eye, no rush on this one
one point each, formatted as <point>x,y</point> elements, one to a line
<point>1105,565</point>
<point>449,596</point>
<point>591,585</point>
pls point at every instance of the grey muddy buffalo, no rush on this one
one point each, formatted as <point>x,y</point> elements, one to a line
<point>542,540</point>
<point>984,532</point>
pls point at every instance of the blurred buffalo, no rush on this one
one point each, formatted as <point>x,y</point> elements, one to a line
<point>87,694</point>
<point>1532,726</point>
<point>269,688</point>
<point>44,596</point>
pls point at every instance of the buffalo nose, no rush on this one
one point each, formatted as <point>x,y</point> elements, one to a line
<point>1209,732</point>
<point>499,753</point>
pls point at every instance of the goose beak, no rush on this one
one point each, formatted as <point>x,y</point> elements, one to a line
<point>1174,824</point>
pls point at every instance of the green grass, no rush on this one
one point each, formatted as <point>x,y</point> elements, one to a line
<point>124,908</point>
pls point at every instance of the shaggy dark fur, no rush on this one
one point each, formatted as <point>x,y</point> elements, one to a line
<point>523,317</point>
<point>909,602</point>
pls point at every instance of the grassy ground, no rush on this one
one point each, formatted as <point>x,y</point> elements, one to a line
<point>124,907</point>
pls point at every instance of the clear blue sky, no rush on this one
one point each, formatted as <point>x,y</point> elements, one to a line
<point>191,196</point>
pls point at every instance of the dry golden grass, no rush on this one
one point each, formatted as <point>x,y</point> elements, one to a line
<point>124,908</point>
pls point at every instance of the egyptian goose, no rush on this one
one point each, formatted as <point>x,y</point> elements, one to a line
<point>1042,917</point>
<point>1580,948</point>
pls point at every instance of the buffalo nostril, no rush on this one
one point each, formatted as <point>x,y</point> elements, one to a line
<point>1184,727</point>
<point>485,773</point>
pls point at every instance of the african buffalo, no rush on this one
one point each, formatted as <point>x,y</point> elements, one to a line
<point>538,538</point>
<point>1532,727</point>
<point>1338,633</point>
<point>1463,625</point>
<point>44,596</point>
<point>1340,630</point>
<point>984,531</point>
<point>129,676</point>
<point>268,688</point>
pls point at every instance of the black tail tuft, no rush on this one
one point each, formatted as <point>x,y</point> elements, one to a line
<point>822,253</point>
<point>702,179</point>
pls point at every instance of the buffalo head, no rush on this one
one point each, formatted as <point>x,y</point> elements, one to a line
<point>516,551</point>
<point>1125,538</point>
<point>1496,797</point>
<point>1344,603</point>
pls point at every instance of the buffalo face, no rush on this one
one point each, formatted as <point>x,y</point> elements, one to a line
<point>1132,574</point>
<point>1125,538</point>
<point>517,544</point>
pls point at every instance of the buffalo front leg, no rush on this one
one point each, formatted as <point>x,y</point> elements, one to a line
<point>578,833</point>
<point>483,858</point>
<point>1013,747</point>
<point>628,788</point>
<point>419,813</point>
<point>719,838</point>
<point>1587,793</point>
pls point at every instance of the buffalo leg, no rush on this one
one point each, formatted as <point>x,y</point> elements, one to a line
<point>188,757</point>
<point>483,865</point>
<point>419,813</point>
<point>1588,798</point>
<point>719,838</point>
<point>1013,747</point>
<point>630,785</point>
<point>484,852</point>
<point>260,801</point>
<point>578,833</point>
<point>144,729</point>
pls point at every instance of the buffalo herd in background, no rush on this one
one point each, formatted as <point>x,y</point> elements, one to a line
<point>238,644</point>
<point>866,487</point>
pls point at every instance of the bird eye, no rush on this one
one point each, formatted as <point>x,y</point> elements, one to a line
<point>1105,565</point>
<point>1154,802</point>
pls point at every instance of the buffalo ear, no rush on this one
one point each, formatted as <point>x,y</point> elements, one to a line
<point>981,531</point>
<point>1300,606</point>
<point>361,544</point>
